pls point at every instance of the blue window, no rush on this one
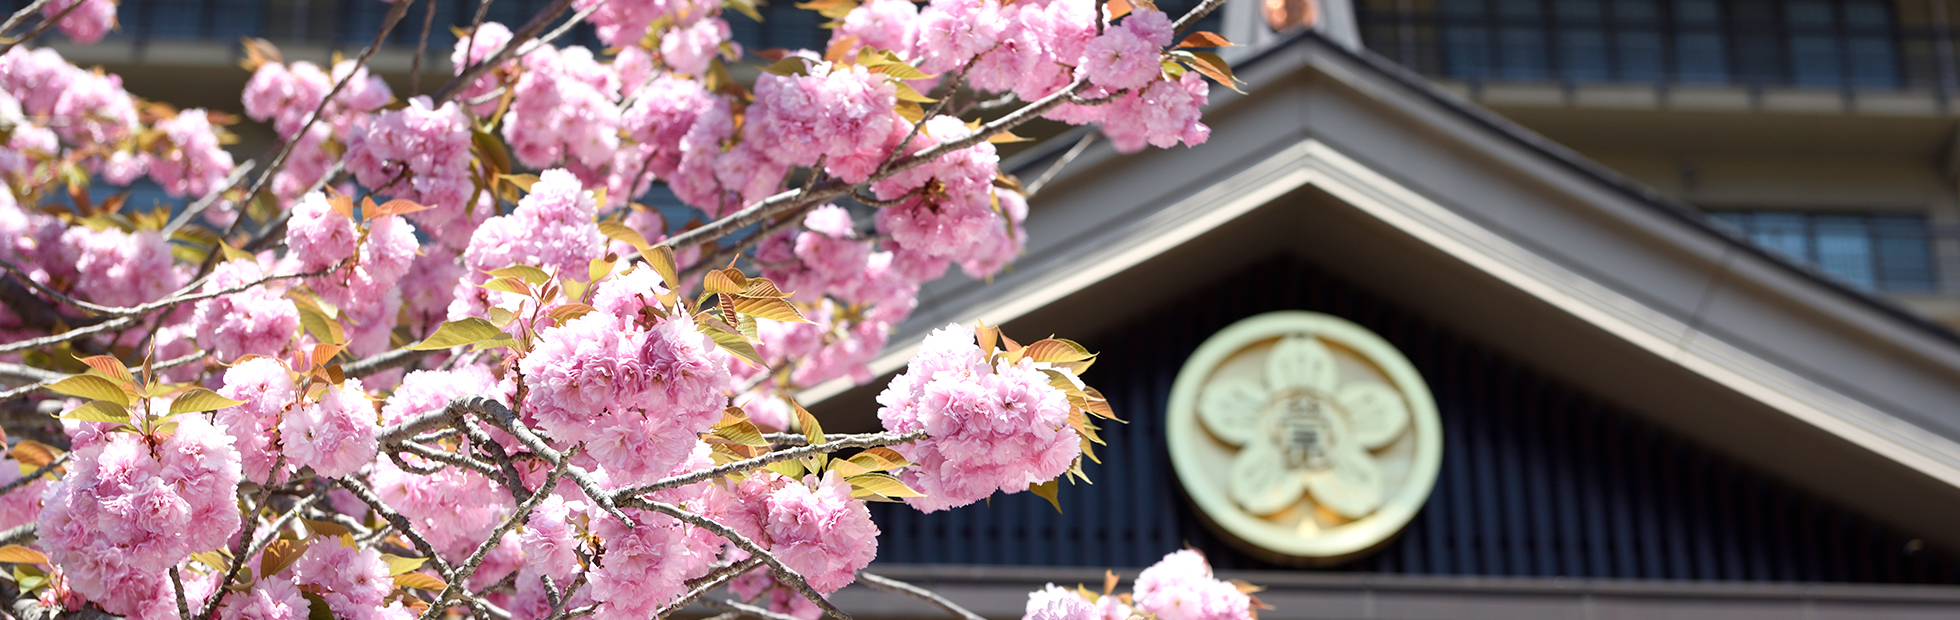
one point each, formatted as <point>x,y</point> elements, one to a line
<point>1891,253</point>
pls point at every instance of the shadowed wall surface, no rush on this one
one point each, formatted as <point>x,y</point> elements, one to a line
<point>1537,480</point>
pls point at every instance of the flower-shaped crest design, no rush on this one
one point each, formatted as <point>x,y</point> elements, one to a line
<point>1301,430</point>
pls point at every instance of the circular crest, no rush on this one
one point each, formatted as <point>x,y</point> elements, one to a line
<point>1304,437</point>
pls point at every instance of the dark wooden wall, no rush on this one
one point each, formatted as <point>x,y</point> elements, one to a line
<point>1537,479</point>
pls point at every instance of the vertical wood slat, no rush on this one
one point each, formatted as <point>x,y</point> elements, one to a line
<point>1538,478</point>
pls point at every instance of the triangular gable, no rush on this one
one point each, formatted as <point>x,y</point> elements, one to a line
<point>1437,205</point>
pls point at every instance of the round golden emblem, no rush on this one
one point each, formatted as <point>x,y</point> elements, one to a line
<point>1303,437</point>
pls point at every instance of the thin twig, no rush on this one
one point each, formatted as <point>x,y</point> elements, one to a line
<point>746,609</point>
<point>40,28</point>
<point>21,15</point>
<point>238,173</point>
<point>1056,168</point>
<point>893,585</point>
<point>421,49</point>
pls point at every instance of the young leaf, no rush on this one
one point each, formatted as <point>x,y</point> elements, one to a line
<point>458,333</point>
<point>1048,491</point>
<point>199,399</point>
<point>398,565</point>
<point>326,528</point>
<point>1203,39</point>
<point>767,308</point>
<point>1007,137</point>
<point>16,554</point>
<point>110,366</point>
<point>1057,351</point>
<point>1215,68</point>
<point>420,581</point>
<point>720,281</point>
<point>565,313</point>
<point>32,454</point>
<point>93,388</point>
<point>394,207</point>
<point>279,556</point>
<point>508,284</point>
<point>812,430</point>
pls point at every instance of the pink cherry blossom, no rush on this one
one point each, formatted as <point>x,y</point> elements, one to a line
<point>988,429</point>
<point>1180,587</point>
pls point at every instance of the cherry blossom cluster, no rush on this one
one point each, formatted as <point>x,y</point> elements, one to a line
<point>1178,587</point>
<point>439,356</point>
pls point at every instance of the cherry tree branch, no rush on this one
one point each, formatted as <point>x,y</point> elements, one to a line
<point>43,470</point>
<point>39,28</point>
<point>844,442</point>
<point>21,15</point>
<point>784,574</point>
<point>504,54</point>
<point>746,609</point>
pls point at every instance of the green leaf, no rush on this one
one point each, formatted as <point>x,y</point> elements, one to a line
<point>907,93</point>
<point>458,333</point>
<point>745,7</point>
<point>738,429</point>
<point>500,341</point>
<point>899,69</point>
<point>316,607</point>
<point>398,565</point>
<point>881,485</point>
<point>315,321</point>
<point>93,388</point>
<point>789,65</point>
<point>491,149</point>
<point>1048,491</point>
<point>729,341</point>
<point>792,468</point>
<point>530,275</point>
<point>619,232</point>
<point>500,316</point>
<point>199,399</point>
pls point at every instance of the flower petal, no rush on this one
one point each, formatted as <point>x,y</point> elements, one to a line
<point>1300,362</point>
<point>1351,488</point>
<point>1231,408</point>
<point>1377,411</point>
<point>1261,481</point>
